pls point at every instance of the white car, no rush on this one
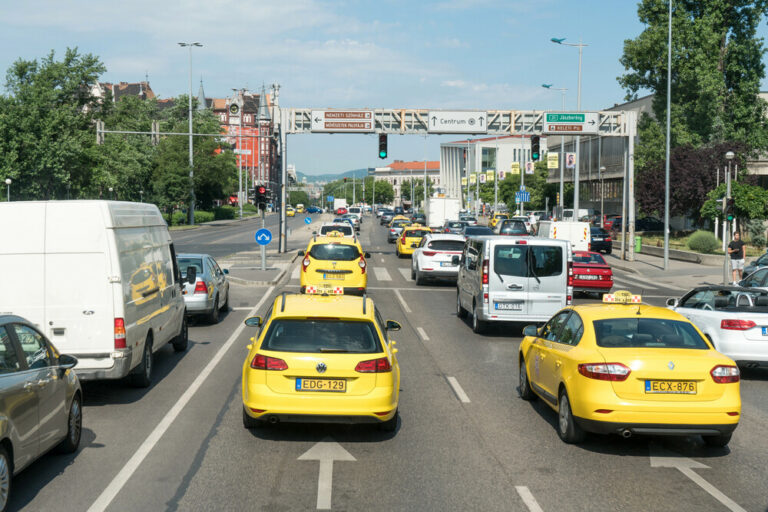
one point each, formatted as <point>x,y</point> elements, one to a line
<point>432,259</point>
<point>734,318</point>
<point>343,227</point>
<point>525,219</point>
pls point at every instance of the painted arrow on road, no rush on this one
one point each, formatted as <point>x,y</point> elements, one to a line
<point>661,458</point>
<point>326,452</point>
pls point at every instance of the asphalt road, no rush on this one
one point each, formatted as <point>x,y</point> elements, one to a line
<point>465,440</point>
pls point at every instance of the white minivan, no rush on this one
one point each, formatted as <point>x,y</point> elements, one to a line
<point>578,233</point>
<point>513,279</point>
<point>99,278</point>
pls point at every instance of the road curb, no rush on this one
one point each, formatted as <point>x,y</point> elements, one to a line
<point>626,268</point>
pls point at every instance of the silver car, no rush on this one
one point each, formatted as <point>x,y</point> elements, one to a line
<point>206,289</point>
<point>40,400</point>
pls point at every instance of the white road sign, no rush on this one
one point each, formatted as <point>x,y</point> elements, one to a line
<point>570,123</point>
<point>461,121</point>
<point>344,121</point>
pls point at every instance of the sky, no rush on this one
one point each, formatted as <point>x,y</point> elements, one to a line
<point>441,54</point>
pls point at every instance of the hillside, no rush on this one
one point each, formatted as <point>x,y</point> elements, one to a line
<point>314,178</point>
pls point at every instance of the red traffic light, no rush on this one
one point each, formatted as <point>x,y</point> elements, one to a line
<point>262,190</point>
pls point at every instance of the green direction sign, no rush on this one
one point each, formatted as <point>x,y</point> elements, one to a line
<point>565,118</point>
<point>571,123</point>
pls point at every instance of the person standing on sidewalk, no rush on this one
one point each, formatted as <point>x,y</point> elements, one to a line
<point>737,251</point>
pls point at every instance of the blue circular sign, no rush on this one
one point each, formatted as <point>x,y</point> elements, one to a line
<point>263,236</point>
<point>307,220</point>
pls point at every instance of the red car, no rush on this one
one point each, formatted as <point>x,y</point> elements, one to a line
<point>591,274</point>
<point>341,210</point>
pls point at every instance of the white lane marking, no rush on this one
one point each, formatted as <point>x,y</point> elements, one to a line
<point>382,260</point>
<point>124,476</point>
<point>636,282</point>
<point>663,458</point>
<point>402,301</point>
<point>460,394</point>
<point>528,498</point>
<point>295,273</point>
<point>423,334</point>
<point>244,308</point>
<point>381,274</point>
<point>420,289</point>
<point>406,273</point>
<point>326,452</point>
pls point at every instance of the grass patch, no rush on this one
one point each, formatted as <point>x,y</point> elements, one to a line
<point>681,243</point>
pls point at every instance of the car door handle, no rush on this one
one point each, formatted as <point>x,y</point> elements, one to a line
<point>150,292</point>
<point>28,386</point>
<point>515,286</point>
<point>42,382</point>
<point>558,364</point>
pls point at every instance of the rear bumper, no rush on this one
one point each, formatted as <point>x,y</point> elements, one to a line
<point>656,429</point>
<point>121,366</point>
<point>198,304</point>
<point>441,273</point>
<point>594,287</point>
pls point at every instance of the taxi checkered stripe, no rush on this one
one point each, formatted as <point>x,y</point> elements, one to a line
<point>311,289</point>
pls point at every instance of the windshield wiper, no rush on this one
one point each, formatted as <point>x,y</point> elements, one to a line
<point>531,266</point>
<point>337,350</point>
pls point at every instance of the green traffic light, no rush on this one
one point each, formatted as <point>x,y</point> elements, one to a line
<point>730,217</point>
<point>382,154</point>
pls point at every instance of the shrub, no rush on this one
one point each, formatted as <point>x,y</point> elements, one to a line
<point>178,218</point>
<point>201,216</point>
<point>224,212</point>
<point>248,207</point>
<point>703,241</point>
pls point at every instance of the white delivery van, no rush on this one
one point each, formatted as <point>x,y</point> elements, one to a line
<point>440,209</point>
<point>99,278</point>
<point>578,233</point>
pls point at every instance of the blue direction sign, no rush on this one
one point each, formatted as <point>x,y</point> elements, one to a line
<point>307,220</point>
<point>522,188</point>
<point>523,197</point>
<point>263,236</point>
<point>330,199</point>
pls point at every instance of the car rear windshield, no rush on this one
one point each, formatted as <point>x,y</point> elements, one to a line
<point>416,233</point>
<point>513,227</point>
<point>588,258</point>
<point>354,209</point>
<point>347,230</point>
<point>478,231</point>
<point>401,223</point>
<point>598,232</point>
<point>447,245</point>
<point>339,252</point>
<point>185,263</point>
<point>647,333</point>
<point>316,336</point>
<point>528,260</point>
<point>455,224</point>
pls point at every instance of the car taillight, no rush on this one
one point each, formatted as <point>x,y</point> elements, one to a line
<point>428,253</point>
<point>570,273</point>
<point>362,264</point>
<point>391,230</point>
<point>725,374</point>
<point>605,371</point>
<point>485,271</point>
<point>261,362</point>
<point>119,333</point>
<point>201,287</point>
<point>402,240</point>
<point>737,325</point>
<point>305,264</point>
<point>608,239</point>
<point>380,365</point>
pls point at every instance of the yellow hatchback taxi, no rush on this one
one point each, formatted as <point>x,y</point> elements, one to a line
<point>628,368</point>
<point>497,217</point>
<point>409,239</point>
<point>333,263</point>
<point>321,359</point>
<point>290,212</point>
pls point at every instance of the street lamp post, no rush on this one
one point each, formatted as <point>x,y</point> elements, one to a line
<point>728,156</point>
<point>111,195</point>
<point>562,147</point>
<point>8,186</point>
<point>580,46</point>
<point>141,196</point>
<point>602,196</point>
<point>191,158</point>
<point>666,165</point>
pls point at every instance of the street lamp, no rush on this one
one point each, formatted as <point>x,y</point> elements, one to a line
<point>728,156</point>
<point>666,164</point>
<point>580,46</point>
<point>191,158</point>
<point>111,195</point>
<point>8,185</point>
<point>141,196</point>
<point>562,146</point>
<point>602,196</point>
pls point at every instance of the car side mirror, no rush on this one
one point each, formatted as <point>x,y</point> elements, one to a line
<point>367,255</point>
<point>672,303</point>
<point>301,253</point>
<point>226,271</point>
<point>254,321</point>
<point>392,326</point>
<point>753,263</point>
<point>530,330</point>
<point>456,260</point>
<point>191,274</point>
<point>414,245</point>
<point>67,362</point>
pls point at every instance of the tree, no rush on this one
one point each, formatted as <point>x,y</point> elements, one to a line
<point>384,193</point>
<point>750,202</point>
<point>298,197</point>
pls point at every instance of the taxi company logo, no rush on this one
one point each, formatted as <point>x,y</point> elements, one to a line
<point>334,264</point>
<point>321,367</point>
<point>671,365</point>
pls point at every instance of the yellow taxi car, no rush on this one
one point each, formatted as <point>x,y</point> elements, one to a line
<point>496,218</point>
<point>399,217</point>
<point>409,239</point>
<point>324,359</point>
<point>628,368</point>
<point>334,262</point>
<point>290,212</point>
<point>300,208</point>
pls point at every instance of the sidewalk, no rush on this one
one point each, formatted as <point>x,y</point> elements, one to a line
<point>680,274</point>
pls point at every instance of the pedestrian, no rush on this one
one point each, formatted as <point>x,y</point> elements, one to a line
<point>737,252</point>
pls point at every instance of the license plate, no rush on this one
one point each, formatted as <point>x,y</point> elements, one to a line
<point>597,239</point>
<point>588,278</point>
<point>673,387</point>
<point>333,385</point>
<point>335,277</point>
<point>508,306</point>
<point>449,264</point>
<point>765,331</point>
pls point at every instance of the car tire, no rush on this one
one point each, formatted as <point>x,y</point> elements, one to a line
<point>718,441</point>
<point>143,376</point>
<point>460,311</point>
<point>608,251</point>
<point>413,274</point>
<point>225,306</point>
<point>181,341</point>
<point>250,423</point>
<point>524,386</point>
<point>74,427</point>
<point>213,316</point>
<point>391,424</point>
<point>478,326</point>
<point>6,478</point>
<point>567,428</point>
<point>420,279</point>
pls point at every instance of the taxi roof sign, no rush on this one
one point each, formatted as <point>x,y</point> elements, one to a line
<point>314,290</point>
<point>622,297</point>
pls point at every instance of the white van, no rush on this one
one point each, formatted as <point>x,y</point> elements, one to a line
<point>578,233</point>
<point>99,278</point>
<point>513,279</point>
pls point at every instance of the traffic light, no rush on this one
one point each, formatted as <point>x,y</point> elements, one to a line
<point>730,204</point>
<point>345,180</point>
<point>535,148</point>
<point>261,197</point>
<point>382,145</point>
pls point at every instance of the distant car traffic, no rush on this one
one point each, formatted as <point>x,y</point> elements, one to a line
<point>314,209</point>
<point>332,262</point>
<point>409,239</point>
<point>341,227</point>
<point>470,230</point>
<point>207,292</point>
<point>469,219</point>
<point>395,228</point>
<point>454,226</point>
<point>601,240</point>
<point>289,211</point>
<point>511,227</point>
<point>591,274</point>
<point>341,210</point>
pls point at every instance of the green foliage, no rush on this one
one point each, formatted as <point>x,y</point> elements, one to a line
<point>178,218</point>
<point>750,202</point>
<point>703,241</point>
<point>225,212</point>
<point>756,230</point>
<point>298,197</point>
<point>202,216</point>
<point>247,207</point>
<point>385,193</point>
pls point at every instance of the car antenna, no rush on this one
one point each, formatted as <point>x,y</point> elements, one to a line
<point>365,298</point>
<point>642,292</point>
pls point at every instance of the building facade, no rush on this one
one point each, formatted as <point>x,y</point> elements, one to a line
<point>401,175</point>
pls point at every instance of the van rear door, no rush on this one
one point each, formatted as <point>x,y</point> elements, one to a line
<point>507,281</point>
<point>548,271</point>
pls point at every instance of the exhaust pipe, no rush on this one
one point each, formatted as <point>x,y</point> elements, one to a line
<point>626,433</point>
<point>273,420</point>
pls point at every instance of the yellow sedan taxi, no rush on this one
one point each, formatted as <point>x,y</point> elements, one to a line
<point>497,217</point>
<point>290,212</point>
<point>334,263</point>
<point>628,368</point>
<point>409,239</point>
<point>323,359</point>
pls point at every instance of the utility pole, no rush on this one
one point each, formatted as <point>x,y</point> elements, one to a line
<point>666,164</point>
<point>191,157</point>
<point>728,156</point>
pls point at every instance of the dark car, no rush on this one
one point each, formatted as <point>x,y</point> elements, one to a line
<point>511,227</point>
<point>314,209</point>
<point>601,240</point>
<point>757,264</point>
<point>419,218</point>
<point>477,231</point>
<point>399,210</point>
<point>649,224</point>
<point>454,226</point>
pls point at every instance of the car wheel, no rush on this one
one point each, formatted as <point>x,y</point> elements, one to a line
<point>524,387</point>
<point>225,306</point>
<point>718,441</point>
<point>181,341</point>
<point>391,424</point>
<point>143,376</point>
<point>567,428</point>
<point>74,428</point>
<point>420,279</point>
<point>213,316</point>
<point>478,326</point>
<point>6,473</point>
<point>608,251</point>
<point>249,422</point>
<point>460,311</point>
